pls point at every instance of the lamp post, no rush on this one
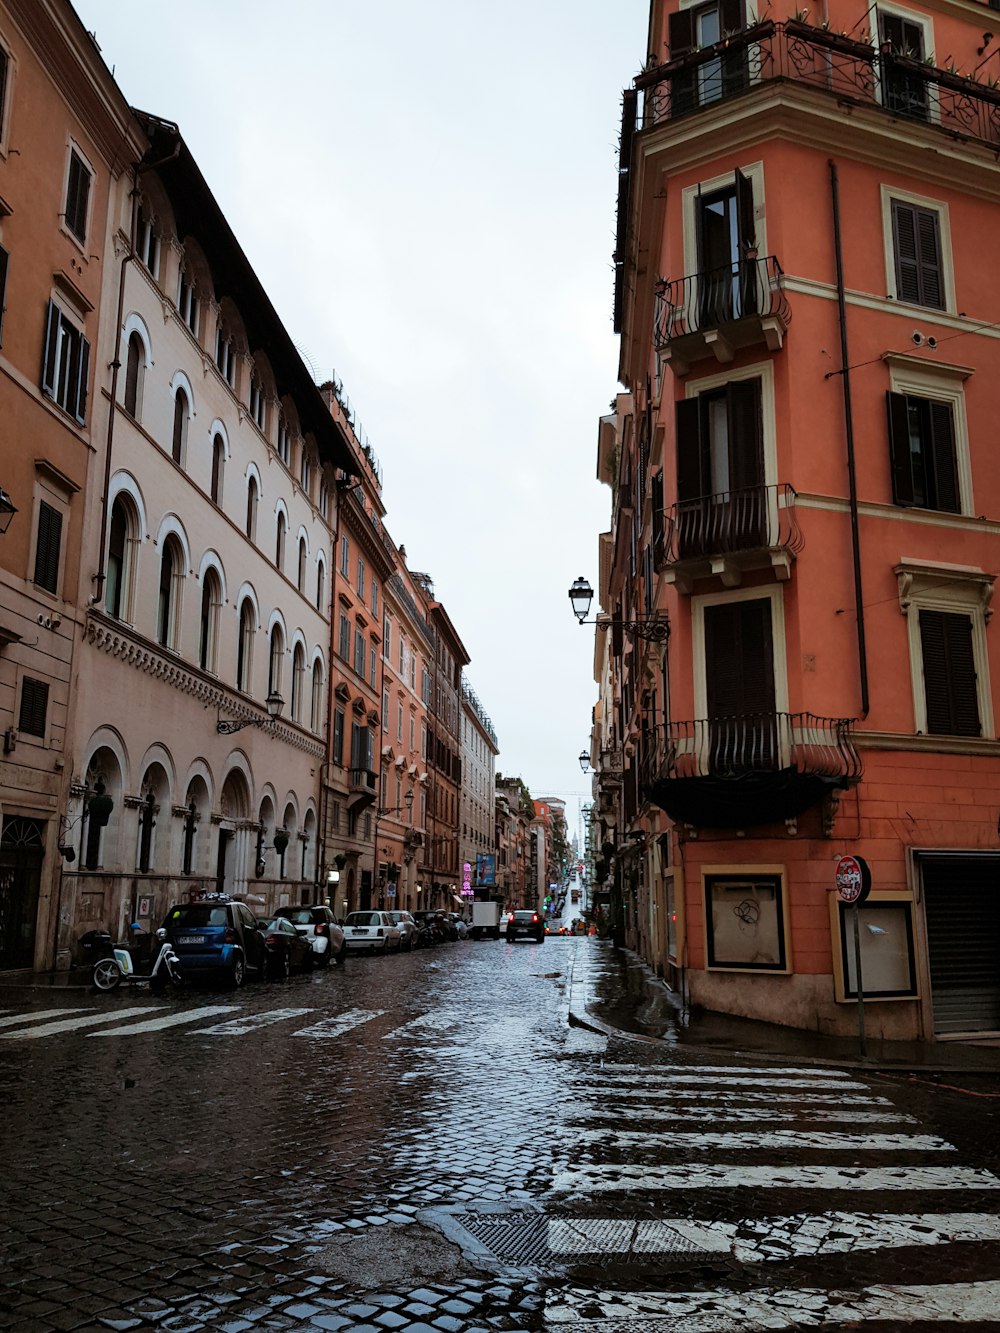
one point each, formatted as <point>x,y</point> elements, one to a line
<point>656,629</point>
<point>274,704</point>
<point>584,761</point>
<point>7,510</point>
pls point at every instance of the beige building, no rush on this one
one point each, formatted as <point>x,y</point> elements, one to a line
<point>478,795</point>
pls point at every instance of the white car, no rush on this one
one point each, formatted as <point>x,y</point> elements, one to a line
<point>374,931</point>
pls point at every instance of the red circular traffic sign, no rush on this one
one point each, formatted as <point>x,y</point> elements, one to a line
<point>854,880</point>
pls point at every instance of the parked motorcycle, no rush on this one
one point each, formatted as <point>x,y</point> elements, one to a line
<point>113,964</point>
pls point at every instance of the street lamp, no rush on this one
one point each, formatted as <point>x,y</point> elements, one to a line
<point>581,594</point>
<point>274,704</point>
<point>7,510</point>
<point>584,760</point>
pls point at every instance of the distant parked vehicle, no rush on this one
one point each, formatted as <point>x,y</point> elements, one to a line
<point>407,929</point>
<point>374,931</point>
<point>523,924</point>
<point>285,949</point>
<point>485,920</point>
<point>318,924</point>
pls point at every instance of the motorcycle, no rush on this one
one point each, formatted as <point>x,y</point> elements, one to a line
<point>113,964</point>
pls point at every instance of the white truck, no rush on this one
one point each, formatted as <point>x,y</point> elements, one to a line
<point>485,920</point>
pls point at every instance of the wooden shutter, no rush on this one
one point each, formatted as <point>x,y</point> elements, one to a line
<point>941,457</point>
<point>917,247</point>
<point>34,707</point>
<point>680,33</point>
<point>950,689</point>
<point>739,661</point>
<point>746,444</point>
<point>659,524</point>
<point>617,634</point>
<point>77,405</point>
<point>47,547</point>
<point>744,212</point>
<point>731,16</point>
<point>691,479</point>
<point>900,458</point>
<point>50,349</point>
<point>4,259</point>
<point>929,258</point>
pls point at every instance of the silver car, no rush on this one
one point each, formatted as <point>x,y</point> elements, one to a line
<point>407,929</point>
<point>374,931</point>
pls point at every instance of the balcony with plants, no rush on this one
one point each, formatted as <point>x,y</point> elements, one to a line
<point>738,772</point>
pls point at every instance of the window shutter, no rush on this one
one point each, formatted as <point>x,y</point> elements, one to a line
<point>739,661</point>
<point>617,635</point>
<point>680,33</point>
<point>900,458</point>
<point>746,444</point>
<point>950,692</point>
<point>78,404</point>
<point>904,235</point>
<point>4,259</point>
<point>892,30</point>
<point>659,525</point>
<point>691,482</point>
<point>731,16</point>
<point>47,547</point>
<point>929,254</point>
<point>34,707</point>
<point>49,349</point>
<point>942,457</point>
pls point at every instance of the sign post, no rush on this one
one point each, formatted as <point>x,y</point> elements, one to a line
<point>854,883</point>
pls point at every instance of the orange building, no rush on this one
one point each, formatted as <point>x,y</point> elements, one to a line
<point>804,490</point>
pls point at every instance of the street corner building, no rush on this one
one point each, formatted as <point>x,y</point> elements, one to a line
<point>217,674</point>
<point>794,654</point>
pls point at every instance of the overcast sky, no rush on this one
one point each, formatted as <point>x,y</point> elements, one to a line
<point>427,192</point>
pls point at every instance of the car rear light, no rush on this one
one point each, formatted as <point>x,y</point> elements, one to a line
<point>535,917</point>
<point>230,937</point>
<point>321,928</point>
<point>511,917</point>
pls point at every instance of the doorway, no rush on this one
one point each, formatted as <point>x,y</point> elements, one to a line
<point>22,849</point>
<point>962,914</point>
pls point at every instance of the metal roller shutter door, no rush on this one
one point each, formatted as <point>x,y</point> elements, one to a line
<point>962,905</point>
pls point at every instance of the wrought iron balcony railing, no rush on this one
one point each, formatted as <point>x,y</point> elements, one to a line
<point>730,523</point>
<point>731,747</point>
<point>850,70</point>
<point>718,299</point>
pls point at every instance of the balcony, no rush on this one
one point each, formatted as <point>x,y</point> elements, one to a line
<point>849,70</point>
<point>719,312</point>
<point>738,772</point>
<point>725,535</point>
<point>362,788</point>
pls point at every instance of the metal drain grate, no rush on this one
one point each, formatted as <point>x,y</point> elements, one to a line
<point>514,1237</point>
<point>536,1238</point>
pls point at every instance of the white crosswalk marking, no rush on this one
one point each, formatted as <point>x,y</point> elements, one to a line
<point>739,1095</point>
<point>734,1080</point>
<point>601,1179</point>
<point>71,1024</point>
<point>629,1073</point>
<point>748,1311</point>
<point>339,1023</point>
<point>171,1020</point>
<point>36,1017</point>
<point>790,1140</point>
<point>678,1115</point>
<point>238,1027</point>
<point>425,1023</point>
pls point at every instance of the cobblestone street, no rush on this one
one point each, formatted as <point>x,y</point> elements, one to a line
<point>424,1142</point>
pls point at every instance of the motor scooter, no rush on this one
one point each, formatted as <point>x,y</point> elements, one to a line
<point>114,964</point>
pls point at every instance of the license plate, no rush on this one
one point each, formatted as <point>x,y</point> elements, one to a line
<point>190,939</point>
<point>361,930</point>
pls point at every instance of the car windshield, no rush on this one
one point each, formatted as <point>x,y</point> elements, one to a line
<point>397,917</point>
<point>524,916</point>
<point>276,923</point>
<point>198,915</point>
<point>363,919</point>
<point>300,916</point>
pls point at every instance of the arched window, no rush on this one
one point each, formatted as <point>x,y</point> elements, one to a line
<point>187,301</point>
<point>320,584</point>
<point>252,508</point>
<point>147,243</point>
<point>117,586</point>
<point>302,565</point>
<point>180,426</point>
<point>284,440</point>
<point>298,682</point>
<point>305,469</point>
<point>279,547</point>
<point>316,703</point>
<point>134,365</point>
<point>171,572</point>
<point>274,663</point>
<point>211,602</point>
<point>257,402</point>
<point>218,466</point>
<point>225,356</point>
<point>244,647</point>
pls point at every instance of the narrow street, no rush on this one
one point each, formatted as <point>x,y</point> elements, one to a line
<point>424,1142</point>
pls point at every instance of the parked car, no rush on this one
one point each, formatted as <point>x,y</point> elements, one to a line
<point>216,936</point>
<point>523,924</point>
<point>374,931</point>
<point>284,948</point>
<point>407,928</point>
<point>319,926</point>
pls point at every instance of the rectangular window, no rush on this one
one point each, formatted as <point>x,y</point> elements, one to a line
<point>386,638</point>
<point>344,644</point>
<point>338,738</point>
<point>372,663</point>
<point>888,965</point>
<point>720,470</point>
<point>739,677</point>
<point>694,29</point>
<point>65,364</point>
<point>374,598</point>
<point>951,688</point>
<point>77,195</point>
<point>903,91</point>
<point>744,918</point>
<point>385,710</point>
<point>359,653</point>
<point>922,450</point>
<point>916,243</point>
<point>47,546</point>
<point>34,707</point>
<point>399,720</point>
<point>361,578</point>
<point>345,556</point>
<point>412,732</point>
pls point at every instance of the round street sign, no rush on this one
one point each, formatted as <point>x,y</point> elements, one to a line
<point>854,880</point>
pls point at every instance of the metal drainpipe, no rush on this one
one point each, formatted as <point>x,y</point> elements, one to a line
<point>845,376</point>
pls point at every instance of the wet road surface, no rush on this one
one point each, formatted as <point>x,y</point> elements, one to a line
<point>423,1142</point>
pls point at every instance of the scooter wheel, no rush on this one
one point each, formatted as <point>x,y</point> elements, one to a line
<point>107,974</point>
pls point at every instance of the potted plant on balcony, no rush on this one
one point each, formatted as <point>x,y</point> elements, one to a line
<point>856,48</point>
